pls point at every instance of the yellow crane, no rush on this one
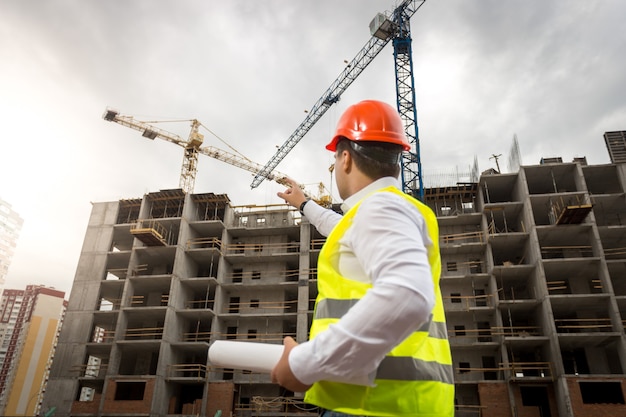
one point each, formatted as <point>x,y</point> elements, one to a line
<point>192,147</point>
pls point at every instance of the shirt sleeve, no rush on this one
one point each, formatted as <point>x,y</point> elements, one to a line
<point>322,218</point>
<point>389,239</point>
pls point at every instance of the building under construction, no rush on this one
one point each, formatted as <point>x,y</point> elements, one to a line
<point>533,279</point>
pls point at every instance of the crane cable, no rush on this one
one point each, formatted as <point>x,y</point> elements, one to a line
<point>226,143</point>
<point>206,128</point>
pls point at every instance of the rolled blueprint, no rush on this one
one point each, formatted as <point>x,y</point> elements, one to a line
<point>256,357</point>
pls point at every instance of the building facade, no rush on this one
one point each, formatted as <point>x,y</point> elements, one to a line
<point>10,227</point>
<point>30,320</point>
<point>533,279</point>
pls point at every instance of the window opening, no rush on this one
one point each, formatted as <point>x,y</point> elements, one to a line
<point>601,392</point>
<point>129,391</point>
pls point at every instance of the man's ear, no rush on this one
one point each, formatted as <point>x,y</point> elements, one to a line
<point>346,162</point>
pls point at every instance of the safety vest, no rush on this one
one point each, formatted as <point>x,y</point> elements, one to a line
<point>415,378</point>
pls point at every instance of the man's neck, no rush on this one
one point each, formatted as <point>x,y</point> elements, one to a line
<point>368,188</point>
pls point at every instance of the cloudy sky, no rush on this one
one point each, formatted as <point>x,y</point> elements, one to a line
<point>552,72</point>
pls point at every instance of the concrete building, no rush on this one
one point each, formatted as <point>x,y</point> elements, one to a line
<point>10,226</point>
<point>534,285</point>
<point>30,320</point>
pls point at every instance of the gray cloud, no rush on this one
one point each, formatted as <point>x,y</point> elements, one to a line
<point>551,72</point>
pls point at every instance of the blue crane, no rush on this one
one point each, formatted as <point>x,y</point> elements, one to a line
<point>395,27</point>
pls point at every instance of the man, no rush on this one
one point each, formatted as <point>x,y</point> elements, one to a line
<point>378,339</point>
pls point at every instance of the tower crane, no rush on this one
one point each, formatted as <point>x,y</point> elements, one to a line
<point>192,147</point>
<point>393,27</point>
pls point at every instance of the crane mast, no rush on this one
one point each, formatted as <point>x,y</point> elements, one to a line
<point>192,148</point>
<point>411,162</point>
<point>383,28</point>
<point>189,167</point>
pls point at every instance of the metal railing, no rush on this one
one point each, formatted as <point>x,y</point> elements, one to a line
<point>459,238</point>
<point>187,370</point>
<point>517,331</point>
<point>583,325</point>
<point>260,248</point>
<point>144,333</point>
<point>204,243</point>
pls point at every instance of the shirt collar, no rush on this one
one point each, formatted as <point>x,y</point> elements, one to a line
<point>376,185</point>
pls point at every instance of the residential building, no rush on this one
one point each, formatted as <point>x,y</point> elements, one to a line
<point>30,320</point>
<point>10,227</point>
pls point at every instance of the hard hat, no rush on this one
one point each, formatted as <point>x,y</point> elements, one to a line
<point>370,121</point>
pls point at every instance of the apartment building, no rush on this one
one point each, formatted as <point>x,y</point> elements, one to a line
<point>10,226</point>
<point>29,323</point>
<point>534,285</point>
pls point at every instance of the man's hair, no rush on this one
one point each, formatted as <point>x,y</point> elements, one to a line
<point>374,159</point>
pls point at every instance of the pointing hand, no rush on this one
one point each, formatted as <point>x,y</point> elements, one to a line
<point>293,195</point>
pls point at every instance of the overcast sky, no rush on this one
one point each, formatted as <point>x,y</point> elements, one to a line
<point>552,72</point>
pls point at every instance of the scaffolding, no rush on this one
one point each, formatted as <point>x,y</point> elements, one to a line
<point>150,232</point>
<point>570,211</point>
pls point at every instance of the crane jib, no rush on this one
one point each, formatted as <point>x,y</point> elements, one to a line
<point>383,28</point>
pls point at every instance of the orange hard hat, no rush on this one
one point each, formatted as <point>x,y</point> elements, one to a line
<point>370,121</point>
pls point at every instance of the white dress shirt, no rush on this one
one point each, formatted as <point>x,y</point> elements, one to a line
<point>386,245</point>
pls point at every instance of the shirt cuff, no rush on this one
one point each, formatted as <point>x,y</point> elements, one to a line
<point>298,364</point>
<point>308,372</point>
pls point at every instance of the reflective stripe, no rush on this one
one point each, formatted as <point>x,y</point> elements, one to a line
<point>332,308</point>
<point>402,368</point>
<point>435,329</point>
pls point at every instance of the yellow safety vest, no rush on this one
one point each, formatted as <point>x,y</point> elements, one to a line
<point>415,378</point>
